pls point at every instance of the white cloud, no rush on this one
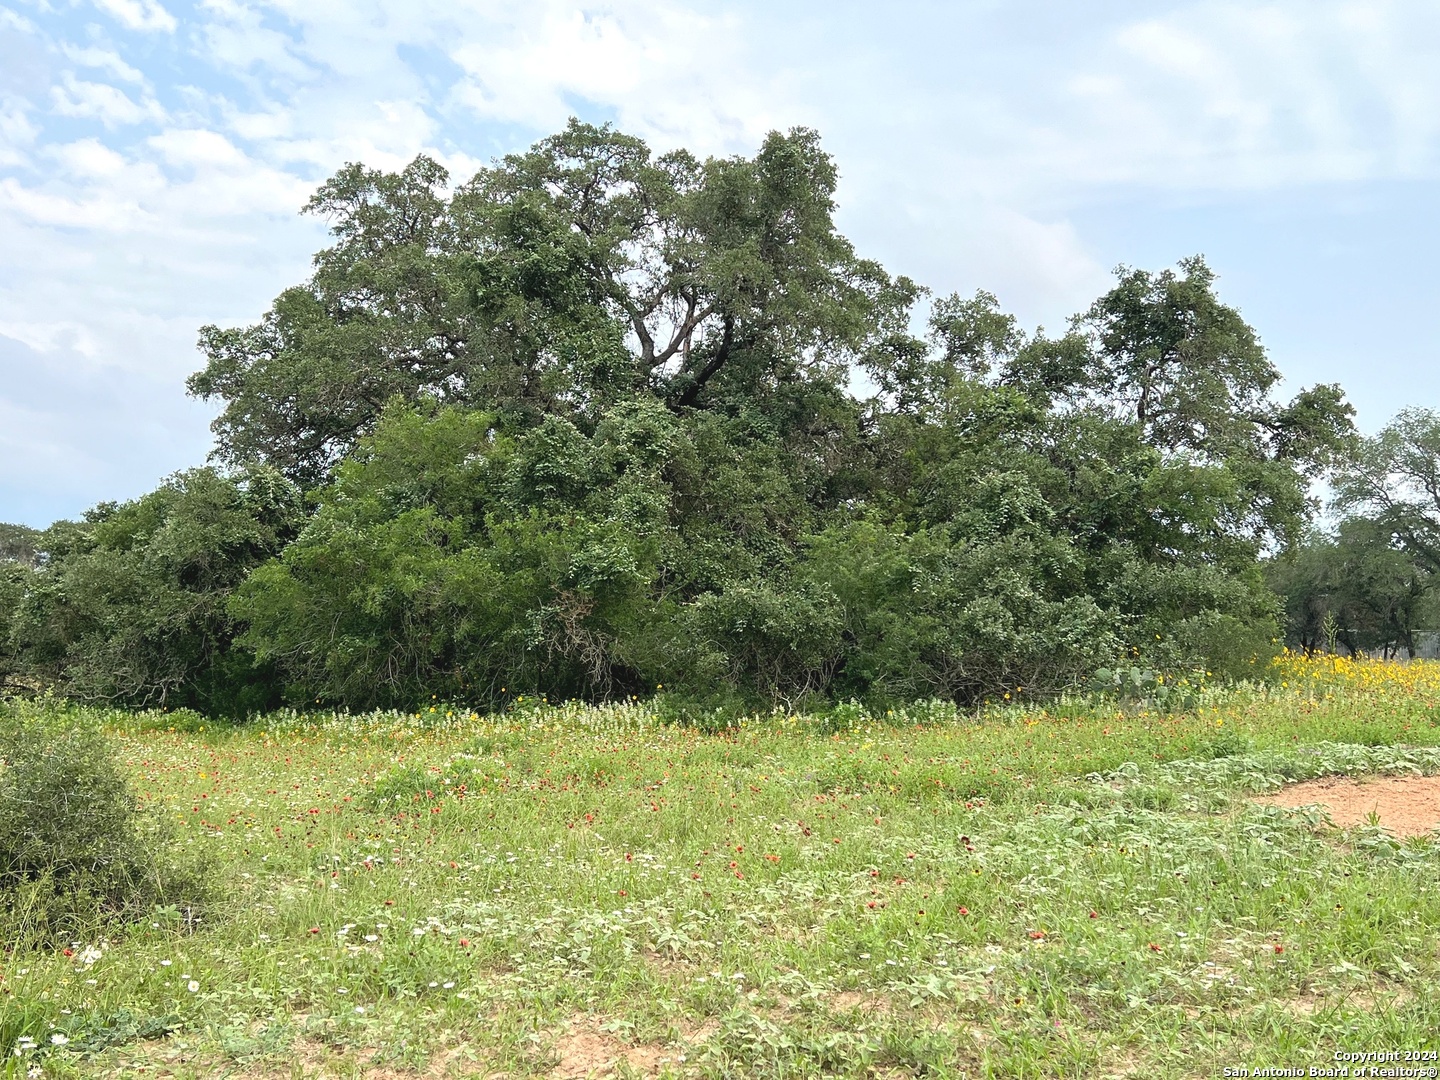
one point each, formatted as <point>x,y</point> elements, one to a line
<point>672,72</point>
<point>101,101</point>
<point>236,39</point>
<point>196,147</point>
<point>87,159</point>
<point>106,211</point>
<point>51,337</point>
<point>16,131</point>
<point>138,14</point>
<point>970,141</point>
<point>1228,96</point>
<point>104,59</point>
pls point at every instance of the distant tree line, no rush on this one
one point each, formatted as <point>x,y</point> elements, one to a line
<point>598,421</point>
<point>1368,583</point>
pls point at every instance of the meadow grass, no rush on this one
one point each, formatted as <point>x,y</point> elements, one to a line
<point>1077,889</point>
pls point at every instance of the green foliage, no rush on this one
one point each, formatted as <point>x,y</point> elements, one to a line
<point>77,855</point>
<point>939,614</point>
<point>583,425</point>
<point>1150,689</point>
<point>1083,882</point>
<point>517,294</point>
<point>1394,480</point>
<point>448,559</point>
<point>410,786</point>
<point>1360,588</point>
<point>18,543</point>
<point>128,607</point>
<point>710,713</point>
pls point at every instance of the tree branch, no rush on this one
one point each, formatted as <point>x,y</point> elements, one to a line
<point>714,364</point>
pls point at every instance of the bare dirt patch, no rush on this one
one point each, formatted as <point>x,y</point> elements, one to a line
<point>587,1052</point>
<point>1405,805</point>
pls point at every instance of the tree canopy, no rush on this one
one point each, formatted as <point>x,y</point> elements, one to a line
<point>596,420</point>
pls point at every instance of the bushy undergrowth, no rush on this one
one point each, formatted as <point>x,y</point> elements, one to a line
<point>77,854</point>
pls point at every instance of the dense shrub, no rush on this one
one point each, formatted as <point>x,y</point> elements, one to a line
<point>128,607</point>
<point>588,425</point>
<point>77,854</point>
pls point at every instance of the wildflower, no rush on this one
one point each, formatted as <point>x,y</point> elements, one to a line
<point>1154,947</point>
<point>1279,948</point>
<point>59,1039</point>
<point>963,910</point>
<point>1094,914</point>
<point>192,986</point>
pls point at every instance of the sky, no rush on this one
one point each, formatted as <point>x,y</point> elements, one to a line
<point>154,155</point>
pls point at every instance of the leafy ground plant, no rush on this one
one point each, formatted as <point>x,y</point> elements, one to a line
<point>78,855</point>
<point>1080,890</point>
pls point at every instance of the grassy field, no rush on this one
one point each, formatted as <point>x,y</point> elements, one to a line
<point>1079,890</point>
